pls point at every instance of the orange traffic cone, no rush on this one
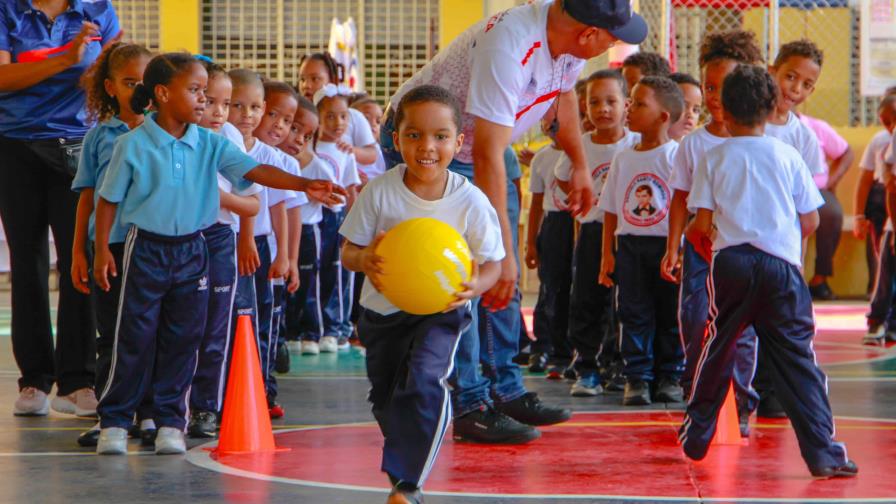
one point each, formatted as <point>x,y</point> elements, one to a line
<point>246,423</point>
<point>728,424</point>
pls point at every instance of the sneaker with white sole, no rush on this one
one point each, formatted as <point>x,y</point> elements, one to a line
<point>81,402</point>
<point>31,402</point>
<point>112,441</point>
<point>294,346</point>
<point>310,347</point>
<point>329,344</point>
<point>170,441</point>
<point>876,335</point>
<point>588,385</point>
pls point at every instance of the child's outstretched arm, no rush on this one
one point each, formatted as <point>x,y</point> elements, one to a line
<point>319,190</point>
<point>481,280</point>
<point>104,262</point>
<point>80,270</point>
<point>535,214</point>
<point>678,217</point>
<point>364,259</point>
<point>608,257</point>
<point>244,206</point>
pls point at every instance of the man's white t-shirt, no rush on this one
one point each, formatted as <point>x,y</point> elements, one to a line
<point>800,137</point>
<point>230,132</point>
<point>598,157</point>
<point>265,154</point>
<point>637,190</point>
<point>756,187</point>
<point>358,133</point>
<point>543,181</point>
<point>312,211</point>
<point>386,202</point>
<point>502,71</point>
<point>873,157</point>
<point>342,167</point>
<point>690,151</point>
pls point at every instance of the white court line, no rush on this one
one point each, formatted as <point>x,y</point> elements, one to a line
<point>67,454</point>
<point>201,456</point>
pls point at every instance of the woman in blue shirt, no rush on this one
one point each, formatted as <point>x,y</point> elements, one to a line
<point>45,47</point>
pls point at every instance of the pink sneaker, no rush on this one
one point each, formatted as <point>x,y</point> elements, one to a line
<point>31,402</point>
<point>81,402</point>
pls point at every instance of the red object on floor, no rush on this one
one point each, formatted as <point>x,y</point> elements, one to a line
<point>631,454</point>
<point>276,411</point>
<point>728,425</point>
<point>246,422</point>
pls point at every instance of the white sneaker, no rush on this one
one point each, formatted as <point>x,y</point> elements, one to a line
<point>344,345</point>
<point>170,441</point>
<point>310,348</point>
<point>329,344</point>
<point>294,346</point>
<point>876,335</point>
<point>31,402</point>
<point>81,402</point>
<point>112,441</point>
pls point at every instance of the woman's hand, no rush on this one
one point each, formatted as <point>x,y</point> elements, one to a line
<point>89,33</point>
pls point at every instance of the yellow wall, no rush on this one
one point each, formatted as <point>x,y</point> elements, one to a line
<point>179,29</point>
<point>455,16</point>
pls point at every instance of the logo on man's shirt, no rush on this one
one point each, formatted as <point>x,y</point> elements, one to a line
<point>497,18</point>
<point>646,201</point>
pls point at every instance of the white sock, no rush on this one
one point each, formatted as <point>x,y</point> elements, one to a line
<point>147,424</point>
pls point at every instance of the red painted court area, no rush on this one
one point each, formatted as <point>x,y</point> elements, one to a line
<point>622,454</point>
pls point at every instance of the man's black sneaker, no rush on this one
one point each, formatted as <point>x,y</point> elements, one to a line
<point>822,292</point>
<point>637,393</point>
<point>769,407</point>
<point>281,363</point>
<point>489,426</point>
<point>529,409</point>
<point>538,362</point>
<point>570,372</point>
<point>90,437</point>
<point>743,419</point>
<point>847,470</point>
<point>669,391</point>
<point>203,424</point>
<point>148,437</point>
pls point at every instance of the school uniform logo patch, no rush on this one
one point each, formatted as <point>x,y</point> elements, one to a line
<point>598,179</point>
<point>646,200</point>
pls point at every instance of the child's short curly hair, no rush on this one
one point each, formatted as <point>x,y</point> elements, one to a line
<point>804,48</point>
<point>668,94</point>
<point>649,63</point>
<point>749,94</point>
<point>737,45</point>
<point>424,94</point>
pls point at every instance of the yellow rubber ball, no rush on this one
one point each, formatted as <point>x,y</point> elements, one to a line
<point>425,261</point>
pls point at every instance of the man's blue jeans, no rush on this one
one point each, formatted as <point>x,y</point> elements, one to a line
<point>492,339</point>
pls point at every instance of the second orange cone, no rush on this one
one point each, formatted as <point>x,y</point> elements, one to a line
<point>728,424</point>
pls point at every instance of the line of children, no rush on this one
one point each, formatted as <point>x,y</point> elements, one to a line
<point>756,278</point>
<point>635,202</point>
<point>591,330</point>
<point>409,357</point>
<point>161,182</point>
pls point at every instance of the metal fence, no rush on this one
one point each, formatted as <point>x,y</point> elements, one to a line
<point>140,21</point>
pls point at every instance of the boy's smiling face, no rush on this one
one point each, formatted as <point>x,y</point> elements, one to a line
<point>280,108</point>
<point>428,140</point>
<point>796,78</point>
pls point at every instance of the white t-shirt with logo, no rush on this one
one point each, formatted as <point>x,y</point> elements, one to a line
<point>873,157</point>
<point>598,157</point>
<point>386,202</point>
<point>342,169</point>
<point>230,132</point>
<point>800,137</point>
<point>312,211</point>
<point>756,187</point>
<point>502,71</point>
<point>637,190</point>
<point>265,154</point>
<point>543,181</point>
<point>690,151</point>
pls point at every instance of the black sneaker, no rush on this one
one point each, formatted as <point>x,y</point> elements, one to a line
<point>847,470</point>
<point>281,364</point>
<point>612,381</point>
<point>570,372</point>
<point>521,358</point>
<point>203,424</point>
<point>529,409</point>
<point>637,393</point>
<point>148,437</point>
<point>489,426</point>
<point>538,362</point>
<point>822,292</point>
<point>89,438</point>
<point>743,419</point>
<point>769,407</point>
<point>669,391</point>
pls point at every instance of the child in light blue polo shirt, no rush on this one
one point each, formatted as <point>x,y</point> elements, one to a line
<point>121,65</point>
<point>162,180</point>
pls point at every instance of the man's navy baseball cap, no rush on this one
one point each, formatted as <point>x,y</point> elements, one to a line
<point>615,16</point>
